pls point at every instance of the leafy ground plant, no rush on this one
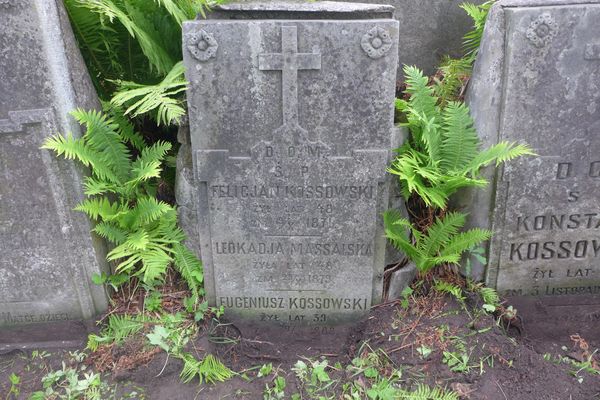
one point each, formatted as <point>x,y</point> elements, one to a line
<point>442,154</point>
<point>442,243</point>
<point>121,199</point>
<point>134,47</point>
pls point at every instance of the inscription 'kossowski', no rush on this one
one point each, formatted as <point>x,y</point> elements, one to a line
<point>554,250</point>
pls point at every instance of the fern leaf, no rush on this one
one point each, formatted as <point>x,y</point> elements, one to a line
<point>154,265</point>
<point>501,152</point>
<point>96,208</point>
<point>396,229</point>
<point>162,98</point>
<point>101,137</point>
<point>173,9</point>
<point>441,232</point>
<point>156,152</point>
<point>459,139</point>
<point>189,267</point>
<point>93,187</point>
<point>209,369</point>
<point>111,232</point>
<point>465,241</point>
<point>423,392</point>
<point>149,209</point>
<point>71,148</point>
<point>125,128</point>
<point>422,99</point>
<point>143,171</point>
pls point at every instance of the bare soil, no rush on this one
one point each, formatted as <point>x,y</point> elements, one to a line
<point>505,362</point>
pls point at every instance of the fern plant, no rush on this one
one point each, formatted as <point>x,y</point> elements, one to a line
<point>478,13</point>
<point>121,199</point>
<point>442,243</point>
<point>424,392</point>
<point>442,154</point>
<point>133,47</point>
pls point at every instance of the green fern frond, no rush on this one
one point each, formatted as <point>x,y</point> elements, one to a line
<point>156,152</point>
<point>459,139</point>
<point>209,369</point>
<point>501,152</point>
<point>478,14</point>
<point>189,266</point>
<point>111,232</point>
<point>424,392</point>
<point>71,148</point>
<point>93,186</point>
<point>154,265</point>
<point>142,171</point>
<point>162,100</point>
<point>125,128</point>
<point>422,99</point>
<point>440,233</point>
<point>465,241</point>
<point>137,240</point>
<point>148,209</point>
<point>396,228</point>
<point>174,10</point>
<point>98,207</point>
<point>101,137</point>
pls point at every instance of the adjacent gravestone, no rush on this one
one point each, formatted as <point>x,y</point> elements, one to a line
<point>48,253</point>
<point>291,114</point>
<point>429,30</point>
<point>537,80</point>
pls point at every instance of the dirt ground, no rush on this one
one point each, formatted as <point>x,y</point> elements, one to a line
<point>520,360</point>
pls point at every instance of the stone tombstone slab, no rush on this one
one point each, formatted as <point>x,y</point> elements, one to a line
<point>537,80</point>
<point>48,253</point>
<point>291,117</point>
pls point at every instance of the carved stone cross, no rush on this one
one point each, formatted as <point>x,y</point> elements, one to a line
<point>289,62</point>
<point>592,52</point>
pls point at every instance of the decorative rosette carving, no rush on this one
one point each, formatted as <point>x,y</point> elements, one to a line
<point>376,42</point>
<point>542,30</point>
<point>202,45</point>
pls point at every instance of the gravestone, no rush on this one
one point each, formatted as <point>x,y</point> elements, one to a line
<point>537,80</point>
<point>48,253</point>
<point>291,111</point>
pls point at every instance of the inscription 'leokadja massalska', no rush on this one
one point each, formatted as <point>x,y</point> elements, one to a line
<point>291,214</point>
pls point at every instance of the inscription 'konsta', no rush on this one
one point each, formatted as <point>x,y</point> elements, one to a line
<point>559,222</point>
<point>291,249</point>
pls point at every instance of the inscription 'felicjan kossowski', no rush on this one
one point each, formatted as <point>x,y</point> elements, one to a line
<point>353,192</point>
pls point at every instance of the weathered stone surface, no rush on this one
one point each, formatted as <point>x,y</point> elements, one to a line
<point>400,280</point>
<point>290,166</point>
<point>429,30</point>
<point>48,254</point>
<point>537,80</point>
